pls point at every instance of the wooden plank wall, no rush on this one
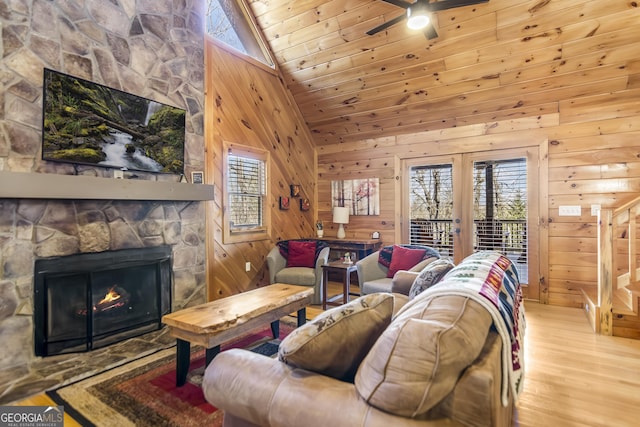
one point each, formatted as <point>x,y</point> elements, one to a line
<point>593,145</point>
<point>247,104</point>
<point>591,135</point>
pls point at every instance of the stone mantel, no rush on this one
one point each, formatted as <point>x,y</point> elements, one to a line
<point>26,185</point>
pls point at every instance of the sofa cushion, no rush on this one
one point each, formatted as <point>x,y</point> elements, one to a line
<point>336,341</point>
<point>402,281</point>
<point>403,259</point>
<point>302,276</point>
<point>422,264</point>
<point>429,276</point>
<point>418,359</point>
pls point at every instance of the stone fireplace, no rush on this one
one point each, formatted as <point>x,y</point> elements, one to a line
<point>34,230</point>
<point>88,301</point>
<point>151,48</point>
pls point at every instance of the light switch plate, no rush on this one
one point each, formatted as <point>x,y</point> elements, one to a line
<point>570,210</point>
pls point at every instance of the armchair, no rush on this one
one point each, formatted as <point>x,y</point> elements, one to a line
<point>280,272</point>
<point>374,276</point>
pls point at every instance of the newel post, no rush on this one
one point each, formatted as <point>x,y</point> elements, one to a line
<point>605,270</point>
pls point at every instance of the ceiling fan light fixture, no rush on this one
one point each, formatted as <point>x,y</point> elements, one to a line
<point>417,17</point>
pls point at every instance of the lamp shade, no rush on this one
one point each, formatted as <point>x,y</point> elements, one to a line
<point>341,215</point>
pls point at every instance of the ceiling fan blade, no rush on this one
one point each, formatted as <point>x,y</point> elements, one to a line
<point>398,3</point>
<point>387,24</point>
<point>430,32</point>
<point>450,4</point>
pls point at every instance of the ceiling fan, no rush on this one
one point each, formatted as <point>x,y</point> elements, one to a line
<point>418,12</point>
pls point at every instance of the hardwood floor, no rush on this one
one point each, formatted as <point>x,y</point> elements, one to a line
<point>573,377</point>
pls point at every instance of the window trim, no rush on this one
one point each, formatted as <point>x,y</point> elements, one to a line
<point>263,232</point>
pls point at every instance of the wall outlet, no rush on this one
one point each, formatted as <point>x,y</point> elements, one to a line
<point>247,266</point>
<point>570,211</point>
<point>595,209</point>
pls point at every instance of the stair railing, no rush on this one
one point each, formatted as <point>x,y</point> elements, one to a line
<point>615,225</point>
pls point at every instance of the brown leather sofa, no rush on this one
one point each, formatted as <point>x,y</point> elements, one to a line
<point>434,362</point>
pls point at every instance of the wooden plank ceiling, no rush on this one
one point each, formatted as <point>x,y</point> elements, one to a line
<point>493,61</point>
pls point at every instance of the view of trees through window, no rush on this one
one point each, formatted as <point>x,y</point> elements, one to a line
<point>431,192</point>
<point>227,22</point>
<point>499,207</point>
<point>432,186</point>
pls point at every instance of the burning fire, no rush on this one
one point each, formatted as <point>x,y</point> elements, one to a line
<point>114,299</point>
<point>111,296</point>
<point>110,301</point>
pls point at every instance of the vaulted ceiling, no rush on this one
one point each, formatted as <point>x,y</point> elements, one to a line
<point>493,61</point>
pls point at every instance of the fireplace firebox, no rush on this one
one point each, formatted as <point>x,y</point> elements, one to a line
<point>87,301</point>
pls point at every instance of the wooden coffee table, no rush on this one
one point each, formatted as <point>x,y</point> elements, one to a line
<point>215,322</point>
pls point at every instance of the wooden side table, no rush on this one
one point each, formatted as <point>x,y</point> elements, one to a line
<point>340,267</point>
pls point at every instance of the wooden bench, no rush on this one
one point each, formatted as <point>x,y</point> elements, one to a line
<point>215,322</point>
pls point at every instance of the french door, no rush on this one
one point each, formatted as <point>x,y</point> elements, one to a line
<point>463,203</point>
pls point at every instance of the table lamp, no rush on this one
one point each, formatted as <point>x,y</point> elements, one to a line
<point>341,216</point>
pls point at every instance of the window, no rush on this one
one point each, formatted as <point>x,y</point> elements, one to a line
<point>246,214</point>
<point>231,22</point>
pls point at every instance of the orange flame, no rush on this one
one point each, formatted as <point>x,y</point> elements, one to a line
<point>112,295</point>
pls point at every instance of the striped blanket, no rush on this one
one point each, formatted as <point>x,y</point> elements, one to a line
<point>490,278</point>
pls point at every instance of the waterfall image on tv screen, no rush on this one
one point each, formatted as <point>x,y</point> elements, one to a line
<point>88,123</point>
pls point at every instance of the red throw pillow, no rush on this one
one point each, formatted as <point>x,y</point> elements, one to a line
<point>301,254</point>
<point>403,259</point>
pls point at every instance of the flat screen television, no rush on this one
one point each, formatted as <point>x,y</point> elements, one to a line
<point>88,123</point>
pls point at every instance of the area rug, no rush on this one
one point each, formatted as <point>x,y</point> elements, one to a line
<point>144,393</point>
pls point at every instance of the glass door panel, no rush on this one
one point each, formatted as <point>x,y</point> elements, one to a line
<point>500,209</point>
<point>464,203</point>
<point>431,207</point>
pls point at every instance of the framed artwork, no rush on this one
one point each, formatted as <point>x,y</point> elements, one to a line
<point>295,190</point>
<point>362,196</point>
<point>304,204</point>
<point>197,177</point>
<point>284,203</point>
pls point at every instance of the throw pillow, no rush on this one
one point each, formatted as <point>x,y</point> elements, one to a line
<point>384,254</point>
<point>336,341</point>
<point>403,259</point>
<point>429,276</point>
<point>301,254</point>
<point>418,359</point>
